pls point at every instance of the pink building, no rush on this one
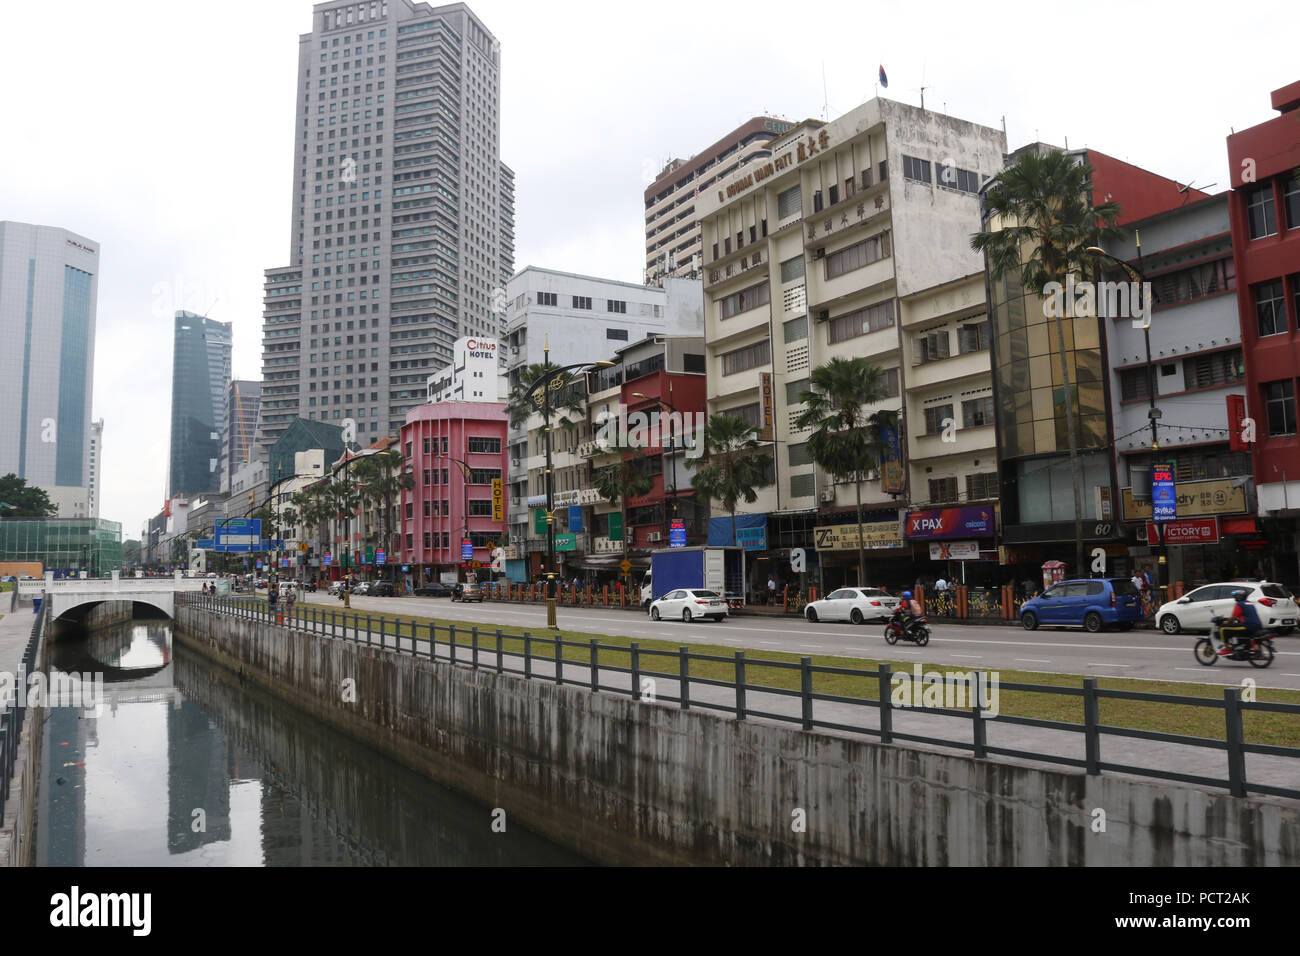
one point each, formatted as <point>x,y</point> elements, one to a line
<point>444,444</point>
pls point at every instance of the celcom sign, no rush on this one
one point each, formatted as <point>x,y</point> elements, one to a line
<point>950,523</point>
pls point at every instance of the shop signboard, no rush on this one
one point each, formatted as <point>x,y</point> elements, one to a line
<point>950,523</point>
<point>955,551</point>
<point>1186,531</point>
<point>844,537</point>
<point>1194,499</point>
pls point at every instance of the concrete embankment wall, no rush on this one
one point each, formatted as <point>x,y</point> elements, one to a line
<point>109,612</point>
<point>625,782</point>
<point>18,827</point>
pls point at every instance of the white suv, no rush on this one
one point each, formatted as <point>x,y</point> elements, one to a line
<point>1193,611</point>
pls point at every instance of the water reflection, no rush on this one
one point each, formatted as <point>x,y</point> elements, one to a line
<point>185,766</point>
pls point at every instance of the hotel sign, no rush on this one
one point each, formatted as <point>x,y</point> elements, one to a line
<point>498,501</point>
<point>766,433</point>
<point>796,154</point>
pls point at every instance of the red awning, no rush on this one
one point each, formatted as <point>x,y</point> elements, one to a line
<point>1239,525</point>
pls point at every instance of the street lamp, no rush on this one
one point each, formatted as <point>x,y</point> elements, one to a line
<point>546,383</point>
<point>1153,413</point>
<point>465,473</point>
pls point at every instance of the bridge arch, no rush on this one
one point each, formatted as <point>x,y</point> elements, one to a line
<point>64,607</point>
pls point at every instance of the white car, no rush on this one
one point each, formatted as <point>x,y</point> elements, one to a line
<point>689,603</point>
<point>1194,610</point>
<point>853,604</point>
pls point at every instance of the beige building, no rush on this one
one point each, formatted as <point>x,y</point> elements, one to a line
<point>854,240</point>
<point>672,231</point>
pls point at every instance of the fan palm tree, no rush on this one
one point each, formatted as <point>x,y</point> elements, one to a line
<point>342,500</point>
<point>1047,222</point>
<point>846,439</point>
<point>619,482</point>
<point>732,470</point>
<point>566,402</point>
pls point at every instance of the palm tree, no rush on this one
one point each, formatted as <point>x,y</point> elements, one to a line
<point>732,469</point>
<point>565,401</point>
<point>1047,222</point>
<point>342,500</point>
<point>382,477</point>
<point>619,482</point>
<point>846,440</point>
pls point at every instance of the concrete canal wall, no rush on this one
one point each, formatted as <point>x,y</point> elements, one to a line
<point>625,782</point>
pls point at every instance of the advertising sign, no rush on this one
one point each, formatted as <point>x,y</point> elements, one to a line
<point>1186,531</point>
<point>1164,502</point>
<point>891,470</point>
<point>575,517</point>
<point>955,551</point>
<point>950,523</point>
<point>844,537</point>
<point>677,534</point>
<point>616,527</point>
<point>380,557</point>
<point>765,433</point>
<point>752,539</point>
<point>566,542</point>
<point>1195,499</point>
<point>539,521</point>
<point>498,501</point>
<point>466,549</point>
<point>326,559</point>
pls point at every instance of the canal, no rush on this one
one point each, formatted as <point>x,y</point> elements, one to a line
<point>181,764</point>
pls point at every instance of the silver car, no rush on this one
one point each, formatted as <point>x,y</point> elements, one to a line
<point>1194,610</point>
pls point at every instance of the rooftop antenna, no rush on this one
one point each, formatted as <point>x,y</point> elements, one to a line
<point>826,99</point>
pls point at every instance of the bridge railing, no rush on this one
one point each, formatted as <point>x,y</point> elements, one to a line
<point>489,648</point>
<point>13,712</point>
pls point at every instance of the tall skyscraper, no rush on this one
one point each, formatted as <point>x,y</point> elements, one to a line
<point>242,402</point>
<point>200,377</point>
<point>95,468</point>
<point>48,286</point>
<point>403,214</point>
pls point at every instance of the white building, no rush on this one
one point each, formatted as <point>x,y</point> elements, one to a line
<point>474,374</point>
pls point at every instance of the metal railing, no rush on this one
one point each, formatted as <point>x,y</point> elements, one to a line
<point>13,713</point>
<point>485,648</point>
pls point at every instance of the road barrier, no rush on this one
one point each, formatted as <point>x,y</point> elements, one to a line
<point>13,714</point>
<point>407,637</point>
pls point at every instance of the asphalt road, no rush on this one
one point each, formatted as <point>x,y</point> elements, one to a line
<point>1143,655</point>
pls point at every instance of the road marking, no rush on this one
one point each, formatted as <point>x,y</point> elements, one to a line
<point>1035,660</point>
<point>1202,668</point>
<point>973,657</point>
<point>1091,664</point>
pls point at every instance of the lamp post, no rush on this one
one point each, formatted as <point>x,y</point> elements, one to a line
<point>465,473</point>
<point>1153,413</point>
<point>545,384</point>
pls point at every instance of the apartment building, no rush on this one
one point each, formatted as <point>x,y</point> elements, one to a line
<point>853,240</point>
<point>672,230</point>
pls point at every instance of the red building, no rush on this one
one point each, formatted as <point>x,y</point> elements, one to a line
<point>1264,163</point>
<point>457,456</point>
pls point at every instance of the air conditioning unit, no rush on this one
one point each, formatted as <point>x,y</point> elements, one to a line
<point>515,462</point>
<point>828,496</point>
<point>823,315</point>
<point>820,253</point>
<point>514,350</point>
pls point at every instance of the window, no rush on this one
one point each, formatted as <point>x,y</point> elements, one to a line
<point>977,412</point>
<point>1134,384</point>
<point>1270,308</point>
<point>1291,201</point>
<point>954,178</point>
<point>891,383</point>
<point>547,298</point>
<point>871,319</point>
<point>426,447</point>
<point>480,508</point>
<point>484,446</point>
<point>973,337</point>
<point>982,486</point>
<point>615,305</point>
<point>1279,399</point>
<point>745,299</point>
<point>796,330</point>
<point>884,170</point>
<point>618,335</point>
<point>800,455</point>
<point>788,203</point>
<point>794,391</point>
<point>582,302</point>
<point>802,486</point>
<point>817,200</point>
<point>792,269</point>
<point>1192,282</point>
<point>410,509</point>
<point>943,489</point>
<point>427,510</point>
<point>1213,370</point>
<point>483,476</point>
<point>833,195</point>
<point>444,444</point>
<point>935,416</point>
<point>932,346</point>
<point>743,359</point>
<point>426,476</point>
<point>693,363</point>
<point>917,170</point>
<point>1203,465</point>
<point>857,255</point>
<point>1260,212</point>
<point>748,413</point>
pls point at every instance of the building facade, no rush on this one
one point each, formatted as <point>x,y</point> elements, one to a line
<point>401,234</point>
<point>49,279</point>
<point>1264,209</point>
<point>240,427</point>
<point>672,229</point>
<point>65,546</point>
<point>474,374</point>
<point>200,380</point>
<point>94,468</point>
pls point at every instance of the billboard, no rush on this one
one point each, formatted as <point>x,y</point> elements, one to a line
<point>950,523</point>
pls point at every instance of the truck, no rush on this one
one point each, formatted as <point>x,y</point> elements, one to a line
<point>720,569</point>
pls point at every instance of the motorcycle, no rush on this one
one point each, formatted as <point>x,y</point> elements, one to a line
<point>917,631</point>
<point>1257,650</point>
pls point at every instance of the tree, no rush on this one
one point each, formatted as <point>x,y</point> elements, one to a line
<point>1047,222</point>
<point>130,553</point>
<point>619,482</point>
<point>847,440</point>
<point>732,470</point>
<point>27,501</point>
<point>342,500</point>
<point>566,402</point>
<point>382,477</point>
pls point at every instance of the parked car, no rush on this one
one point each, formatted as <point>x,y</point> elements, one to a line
<point>468,592</point>
<point>687,604</point>
<point>434,590</point>
<point>1090,603</point>
<point>1275,605</point>
<point>857,605</point>
<point>361,588</point>
<point>381,589</point>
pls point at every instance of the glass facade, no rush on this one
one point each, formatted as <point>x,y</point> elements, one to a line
<point>74,360</point>
<point>200,378</point>
<point>63,544</point>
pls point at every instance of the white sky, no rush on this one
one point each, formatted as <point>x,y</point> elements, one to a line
<point>163,130</point>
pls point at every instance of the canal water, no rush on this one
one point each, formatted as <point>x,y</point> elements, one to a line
<point>184,765</point>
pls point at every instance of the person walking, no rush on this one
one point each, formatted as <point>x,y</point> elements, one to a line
<point>290,597</point>
<point>771,590</point>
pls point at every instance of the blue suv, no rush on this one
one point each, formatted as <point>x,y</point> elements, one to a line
<point>1090,603</point>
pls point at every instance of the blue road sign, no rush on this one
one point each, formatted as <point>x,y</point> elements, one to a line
<point>207,544</point>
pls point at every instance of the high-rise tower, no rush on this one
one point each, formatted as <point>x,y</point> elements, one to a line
<point>200,378</point>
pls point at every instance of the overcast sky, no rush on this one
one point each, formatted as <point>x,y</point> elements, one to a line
<point>163,130</point>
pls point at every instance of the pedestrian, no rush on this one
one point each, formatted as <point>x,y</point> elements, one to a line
<point>940,585</point>
<point>290,596</point>
<point>771,589</point>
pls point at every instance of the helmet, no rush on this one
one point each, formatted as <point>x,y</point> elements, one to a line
<point>907,595</point>
<point>1240,594</point>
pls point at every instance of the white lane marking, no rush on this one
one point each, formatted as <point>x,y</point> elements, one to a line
<point>1092,664</point>
<point>973,657</point>
<point>1035,660</point>
<point>1198,669</point>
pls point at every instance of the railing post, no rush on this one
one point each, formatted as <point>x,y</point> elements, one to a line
<point>451,640</point>
<point>559,658</point>
<point>805,691</point>
<point>433,640</point>
<point>636,671</point>
<point>383,631</point>
<point>368,626</point>
<point>1091,727</point>
<point>473,636</point>
<point>334,624</point>
<point>740,685</point>
<point>528,656</point>
<point>981,740</point>
<point>500,655</point>
<point>886,705</point>
<point>1236,755</point>
<point>595,675</point>
<point>684,675</point>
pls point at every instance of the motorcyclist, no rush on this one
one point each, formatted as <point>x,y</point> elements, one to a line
<point>907,612</point>
<point>1242,624</point>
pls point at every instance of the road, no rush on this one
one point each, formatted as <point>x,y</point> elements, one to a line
<point>1142,655</point>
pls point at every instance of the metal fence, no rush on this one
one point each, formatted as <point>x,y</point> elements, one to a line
<point>13,713</point>
<point>485,649</point>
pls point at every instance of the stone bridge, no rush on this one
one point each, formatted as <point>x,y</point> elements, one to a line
<point>65,596</point>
